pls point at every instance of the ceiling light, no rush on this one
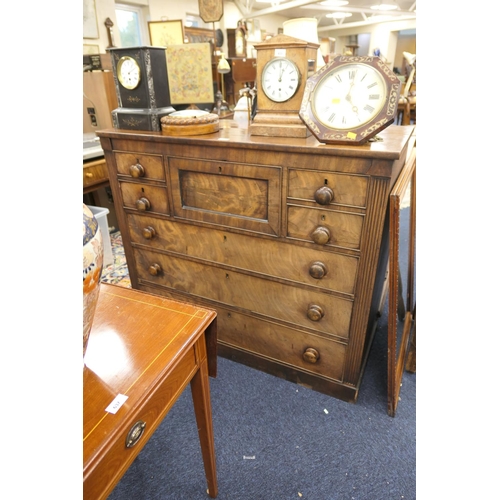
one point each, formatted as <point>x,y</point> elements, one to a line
<point>339,15</point>
<point>385,5</point>
<point>334,3</point>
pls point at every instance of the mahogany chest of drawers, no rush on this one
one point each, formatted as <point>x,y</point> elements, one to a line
<point>286,238</point>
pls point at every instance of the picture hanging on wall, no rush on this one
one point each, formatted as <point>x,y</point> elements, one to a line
<point>165,33</point>
<point>90,29</point>
<point>190,73</point>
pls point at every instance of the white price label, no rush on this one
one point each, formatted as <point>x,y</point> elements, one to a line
<point>117,403</point>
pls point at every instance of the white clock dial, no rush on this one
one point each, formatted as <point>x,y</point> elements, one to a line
<point>349,96</point>
<point>280,79</point>
<point>129,72</point>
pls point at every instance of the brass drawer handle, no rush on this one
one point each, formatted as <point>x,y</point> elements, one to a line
<point>89,175</point>
<point>149,232</point>
<point>137,170</point>
<point>135,433</point>
<point>310,355</point>
<point>315,312</point>
<point>154,269</point>
<point>323,195</point>
<point>321,235</point>
<point>143,204</point>
<point>317,270</point>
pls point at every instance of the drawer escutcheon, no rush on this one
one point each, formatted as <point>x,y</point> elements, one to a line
<point>135,433</point>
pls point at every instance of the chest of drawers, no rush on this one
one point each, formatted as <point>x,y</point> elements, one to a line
<point>286,238</point>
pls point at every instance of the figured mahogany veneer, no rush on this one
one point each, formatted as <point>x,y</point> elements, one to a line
<point>286,238</point>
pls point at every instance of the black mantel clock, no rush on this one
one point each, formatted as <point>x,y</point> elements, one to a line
<point>141,82</point>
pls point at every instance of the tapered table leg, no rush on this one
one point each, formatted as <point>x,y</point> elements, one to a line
<point>200,391</point>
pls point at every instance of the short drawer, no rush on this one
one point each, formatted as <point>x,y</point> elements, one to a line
<point>94,172</point>
<point>108,464</point>
<point>327,188</point>
<point>140,165</point>
<point>306,307</point>
<point>144,198</point>
<point>330,270</point>
<point>325,227</point>
<point>290,346</point>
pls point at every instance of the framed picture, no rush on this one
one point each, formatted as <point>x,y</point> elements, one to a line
<point>165,33</point>
<point>90,29</point>
<point>190,73</point>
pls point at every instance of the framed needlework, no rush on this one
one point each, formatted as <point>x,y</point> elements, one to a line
<point>165,33</point>
<point>90,29</point>
<point>190,73</point>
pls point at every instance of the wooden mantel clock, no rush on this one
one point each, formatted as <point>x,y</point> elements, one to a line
<point>283,66</point>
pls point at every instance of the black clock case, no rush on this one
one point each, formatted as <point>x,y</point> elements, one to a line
<point>141,108</point>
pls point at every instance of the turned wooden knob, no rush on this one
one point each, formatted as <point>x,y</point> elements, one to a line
<point>315,312</point>
<point>149,232</point>
<point>321,235</point>
<point>143,204</point>
<point>154,269</point>
<point>324,195</point>
<point>317,270</point>
<point>310,355</point>
<point>136,170</point>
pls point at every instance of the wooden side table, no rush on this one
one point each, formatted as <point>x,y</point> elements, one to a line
<point>142,353</point>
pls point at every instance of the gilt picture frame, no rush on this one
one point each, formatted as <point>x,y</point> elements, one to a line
<point>165,33</point>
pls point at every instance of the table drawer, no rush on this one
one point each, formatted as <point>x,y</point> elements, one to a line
<point>109,464</point>
<point>94,172</point>
<point>346,189</point>
<point>303,351</point>
<point>306,307</point>
<point>325,227</point>
<point>139,165</point>
<point>144,198</point>
<point>329,270</point>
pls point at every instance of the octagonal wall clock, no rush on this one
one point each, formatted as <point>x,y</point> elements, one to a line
<point>283,65</point>
<point>350,100</point>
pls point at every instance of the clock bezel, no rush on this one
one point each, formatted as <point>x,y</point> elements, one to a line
<point>357,135</point>
<point>264,71</point>
<point>119,65</point>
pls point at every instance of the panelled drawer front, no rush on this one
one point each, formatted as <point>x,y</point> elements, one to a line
<point>325,227</point>
<point>230,194</point>
<point>265,256</point>
<point>347,189</point>
<point>299,349</point>
<point>92,174</point>
<point>144,198</point>
<point>329,314</point>
<point>118,457</point>
<point>140,166</point>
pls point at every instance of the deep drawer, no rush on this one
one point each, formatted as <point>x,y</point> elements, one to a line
<point>347,190</point>
<point>333,271</point>
<point>300,350</point>
<point>305,307</point>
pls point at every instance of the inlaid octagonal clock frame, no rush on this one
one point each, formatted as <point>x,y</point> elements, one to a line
<point>350,100</point>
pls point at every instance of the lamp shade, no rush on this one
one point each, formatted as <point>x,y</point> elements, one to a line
<point>305,28</point>
<point>410,58</point>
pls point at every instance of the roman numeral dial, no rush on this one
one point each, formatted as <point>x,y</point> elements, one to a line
<point>349,96</point>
